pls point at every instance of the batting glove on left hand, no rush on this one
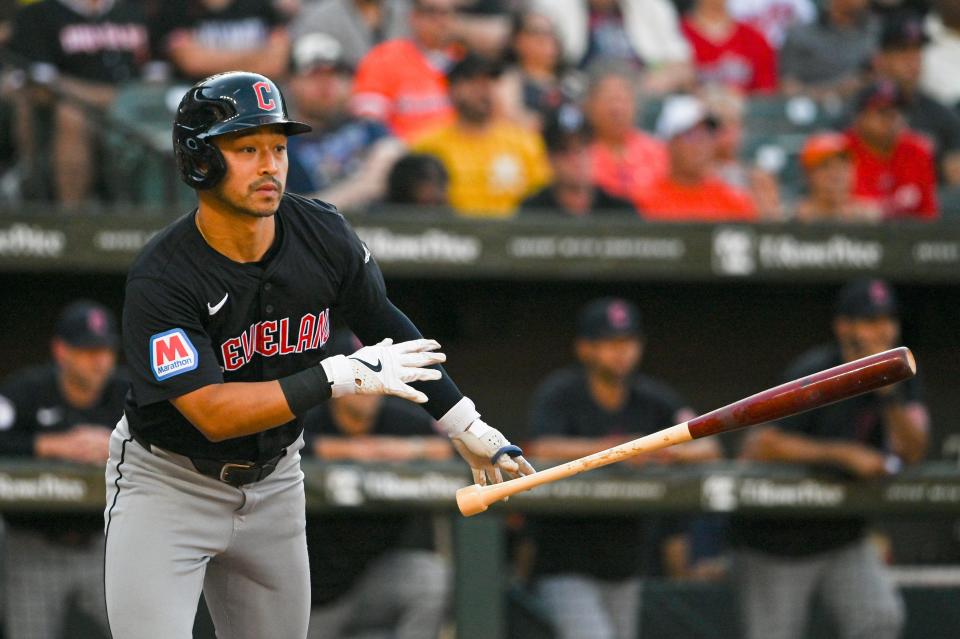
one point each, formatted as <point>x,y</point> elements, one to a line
<point>385,369</point>
<point>488,453</point>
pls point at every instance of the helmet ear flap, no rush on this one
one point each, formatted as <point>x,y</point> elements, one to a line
<point>201,163</point>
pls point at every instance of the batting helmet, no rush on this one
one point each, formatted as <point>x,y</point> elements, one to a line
<point>220,104</point>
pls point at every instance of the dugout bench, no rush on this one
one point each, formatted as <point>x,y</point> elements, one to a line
<point>482,602</point>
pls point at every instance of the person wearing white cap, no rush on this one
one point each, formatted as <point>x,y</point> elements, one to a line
<point>690,191</point>
<point>345,160</point>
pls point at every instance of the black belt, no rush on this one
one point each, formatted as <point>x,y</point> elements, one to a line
<point>235,473</point>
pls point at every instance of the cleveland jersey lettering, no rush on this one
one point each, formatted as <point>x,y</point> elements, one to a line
<point>274,337</point>
<point>193,318</point>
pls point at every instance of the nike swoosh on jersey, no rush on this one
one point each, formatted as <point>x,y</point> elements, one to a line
<point>375,369</point>
<point>213,309</point>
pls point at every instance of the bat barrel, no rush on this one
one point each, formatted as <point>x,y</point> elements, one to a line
<point>813,391</point>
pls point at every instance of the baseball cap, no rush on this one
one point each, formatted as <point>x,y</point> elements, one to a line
<point>866,298</point>
<point>565,128</point>
<point>882,93</point>
<point>87,324</point>
<point>681,113</point>
<point>318,51</point>
<point>821,147</point>
<point>473,66</point>
<point>901,32</point>
<point>609,317</point>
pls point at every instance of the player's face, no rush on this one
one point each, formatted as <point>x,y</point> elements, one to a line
<point>612,107</point>
<point>256,171</point>
<point>432,22</point>
<point>880,126</point>
<point>473,98</point>
<point>613,359</point>
<point>863,336</point>
<point>833,178</point>
<point>85,368</point>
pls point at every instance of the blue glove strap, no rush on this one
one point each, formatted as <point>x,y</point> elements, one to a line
<point>513,451</point>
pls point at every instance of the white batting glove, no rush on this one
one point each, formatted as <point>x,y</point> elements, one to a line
<point>385,369</point>
<point>488,452</point>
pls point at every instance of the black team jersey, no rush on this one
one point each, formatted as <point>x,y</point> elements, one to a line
<point>193,317</point>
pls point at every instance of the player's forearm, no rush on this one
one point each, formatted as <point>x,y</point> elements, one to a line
<point>235,409</point>
<point>564,448</point>
<point>907,430</point>
<point>773,445</point>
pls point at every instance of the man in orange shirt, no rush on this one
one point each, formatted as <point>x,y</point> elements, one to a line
<point>403,82</point>
<point>626,161</point>
<point>690,192</point>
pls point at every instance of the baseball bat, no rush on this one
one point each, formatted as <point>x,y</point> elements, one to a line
<point>813,391</point>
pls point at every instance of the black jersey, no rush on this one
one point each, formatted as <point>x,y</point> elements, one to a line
<point>109,47</point>
<point>32,404</point>
<point>859,419</point>
<point>193,317</point>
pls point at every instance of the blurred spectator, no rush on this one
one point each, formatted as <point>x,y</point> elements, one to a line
<point>535,82</point>
<point>203,37</point>
<point>941,57</point>
<point>773,18</point>
<point>784,563</point>
<point>626,161</point>
<point>727,108</point>
<point>602,401</point>
<point>377,574</point>
<point>691,191</point>
<point>492,164</point>
<point>828,164</point>
<point>358,25</point>
<point>61,411</point>
<point>728,52</point>
<point>344,160</point>
<point>81,50</point>
<point>572,192</point>
<point>900,59</point>
<point>641,34</point>
<point>827,57</point>
<point>892,165</point>
<point>419,179</point>
<point>402,82</point>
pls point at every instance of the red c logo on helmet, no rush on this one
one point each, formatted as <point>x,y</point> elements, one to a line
<point>262,90</point>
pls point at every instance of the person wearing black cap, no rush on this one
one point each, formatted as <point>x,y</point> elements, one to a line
<point>493,164</point>
<point>893,165</point>
<point>783,563</point>
<point>595,591</point>
<point>573,191</point>
<point>64,410</point>
<point>374,574</point>
<point>900,60</point>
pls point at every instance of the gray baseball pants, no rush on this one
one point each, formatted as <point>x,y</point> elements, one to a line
<point>776,593</point>
<point>172,532</point>
<point>583,607</point>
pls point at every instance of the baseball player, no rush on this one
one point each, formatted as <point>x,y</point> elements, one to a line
<point>225,319</point>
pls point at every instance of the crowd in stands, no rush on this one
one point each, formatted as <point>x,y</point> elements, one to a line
<point>683,109</point>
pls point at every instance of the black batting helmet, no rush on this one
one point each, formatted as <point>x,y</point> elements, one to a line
<point>220,104</point>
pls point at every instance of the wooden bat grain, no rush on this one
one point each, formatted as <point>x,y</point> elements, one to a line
<point>800,395</point>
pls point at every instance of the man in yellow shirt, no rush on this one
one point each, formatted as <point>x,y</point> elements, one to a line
<point>493,164</point>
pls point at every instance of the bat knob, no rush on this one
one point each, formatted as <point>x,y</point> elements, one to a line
<point>470,500</point>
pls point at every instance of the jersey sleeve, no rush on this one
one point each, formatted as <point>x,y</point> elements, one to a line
<point>18,427</point>
<point>549,414</point>
<point>362,301</point>
<point>168,351</point>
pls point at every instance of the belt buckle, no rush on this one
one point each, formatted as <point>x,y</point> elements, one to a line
<point>227,467</point>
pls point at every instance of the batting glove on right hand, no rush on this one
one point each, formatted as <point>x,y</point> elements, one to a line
<point>488,453</point>
<point>385,369</point>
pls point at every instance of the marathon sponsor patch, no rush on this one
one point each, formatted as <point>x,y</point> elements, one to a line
<point>172,353</point>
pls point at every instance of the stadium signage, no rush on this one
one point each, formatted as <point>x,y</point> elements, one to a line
<point>31,241</point>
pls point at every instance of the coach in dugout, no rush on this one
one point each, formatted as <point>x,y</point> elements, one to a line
<point>782,564</point>
<point>64,410</point>
<point>577,411</point>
